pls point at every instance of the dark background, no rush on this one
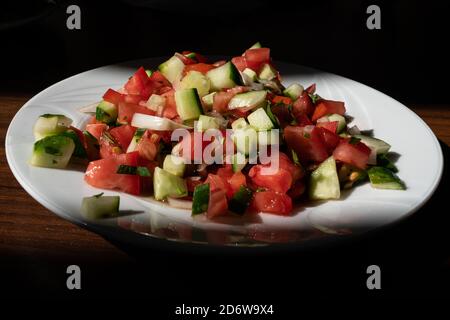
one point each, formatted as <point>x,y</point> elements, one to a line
<point>406,59</point>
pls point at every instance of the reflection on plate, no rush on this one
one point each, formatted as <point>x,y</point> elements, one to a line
<point>359,210</point>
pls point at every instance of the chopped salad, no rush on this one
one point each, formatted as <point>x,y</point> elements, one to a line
<point>218,138</point>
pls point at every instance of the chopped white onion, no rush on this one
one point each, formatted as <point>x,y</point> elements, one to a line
<point>146,121</point>
<point>91,108</point>
<point>179,203</point>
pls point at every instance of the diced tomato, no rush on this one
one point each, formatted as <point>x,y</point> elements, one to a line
<point>96,129</point>
<point>303,120</point>
<point>237,89</point>
<point>102,174</point>
<point>216,182</point>
<point>297,189</point>
<point>272,202</point>
<point>329,125</point>
<point>311,89</point>
<point>109,148</point>
<point>255,58</point>
<point>218,205</point>
<point>236,181</point>
<point>137,82</point>
<point>93,120</point>
<point>303,106</point>
<point>158,78</point>
<point>221,100</point>
<point>330,139</point>
<point>113,97</point>
<point>148,145</point>
<point>123,135</point>
<point>283,115</point>
<point>354,154</point>
<point>200,67</point>
<point>325,107</point>
<point>287,164</point>
<point>184,59</point>
<point>282,99</point>
<point>192,182</point>
<point>279,181</point>
<point>132,98</point>
<point>307,142</point>
<point>127,110</point>
<point>192,147</point>
<point>170,109</point>
<point>240,63</point>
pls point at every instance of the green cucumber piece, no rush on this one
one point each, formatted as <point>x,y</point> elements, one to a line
<point>166,184</point>
<point>267,72</point>
<point>245,140</point>
<point>324,181</point>
<point>175,165</point>
<point>188,104</point>
<point>240,200</point>
<point>238,162</point>
<point>50,124</point>
<point>376,146</point>
<point>257,45</point>
<point>100,206</point>
<point>135,140</point>
<point>239,124</point>
<point>79,151</point>
<point>382,178</point>
<point>148,72</point>
<point>52,152</point>
<point>224,77</point>
<point>270,137</point>
<point>200,199</point>
<point>294,91</point>
<point>205,122</point>
<point>259,120</point>
<point>250,99</point>
<point>106,112</point>
<point>249,76</point>
<point>384,161</point>
<point>208,100</point>
<point>172,69</point>
<point>197,80</point>
<point>334,118</point>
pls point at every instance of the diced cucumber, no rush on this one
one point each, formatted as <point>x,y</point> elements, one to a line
<point>205,122</point>
<point>257,45</point>
<point>172,69</point>
<point>106,112</point>
<point>79,150</point>
<point>384,161</point>
<point>197,80</point>
<point>200,199</point>
<point>238,162</point>
<point>239,124</point>
<point>166,184</point>
<point>249,76</point>
<point>52,152</point>
<point>148,72</point>
<point>324,181</point>
<point>191,55</point>
<point>267,72</point>
<point>50,124</point>
<point>100,206</point>
<point>249,100</point>
<point>208,100</point>
<point>156,102</point>
<point>269,137</point>
<point>294,91</point>
<point>259,120</point>
<point>376,146</point>
<point>188,104</point>
<point>135,140</point>
<point>240,200</point>
<point>246,140</point>
<point>332,118</point>
<point>175,165</point>
<point>382,178</point>
<point>224,77</point>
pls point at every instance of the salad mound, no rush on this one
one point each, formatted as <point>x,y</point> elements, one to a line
<point>217,138</point>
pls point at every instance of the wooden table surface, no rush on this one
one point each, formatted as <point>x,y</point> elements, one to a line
<point>27,229</point>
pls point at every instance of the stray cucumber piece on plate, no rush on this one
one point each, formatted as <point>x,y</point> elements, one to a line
<point>324,181</point>
<point>52,152</point>
<point>382,178</point>
<point>200,199</point>
<point>100,206</point>
<point>166,184</point>
<point>50,124</point>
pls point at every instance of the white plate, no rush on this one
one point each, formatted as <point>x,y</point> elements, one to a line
<point>364,208</point>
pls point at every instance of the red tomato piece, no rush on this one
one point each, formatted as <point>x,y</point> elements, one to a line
<point>281,99</point>
<point>311,89</point>
<point>123,135</point>
<point>354,154</point>
<point>303,106</point>
<point>325,107</point>
<point>137,82</point>
<point>109,148</point>
<point>297,190</point>
<point>96,129</point>
<point>329,125</point>
<point>330,139</point>
<point>218,205</point>
<point>184,59</point>
<point>113,97</point>
<point>170,109</point>
<point>148,145</point>
<point>272,202</point>
<point>280,181</point>
<point>221,100</point>
<point>127,110</point>
<point>102,174</point>
<point>240,63</point>
<point>192,182</point>
<point>307,142</point>
<point>200,67</point>
<point>283,115</point>
<point>255,58</point>
<point>159,79</point>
